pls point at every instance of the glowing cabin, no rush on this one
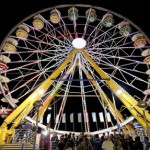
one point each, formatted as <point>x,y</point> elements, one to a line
<point>146,52</point>
<point>107,20</point>
<point>6,101</point>
<point>10,45</point>
<point>147,92</point>
<point>5,89</point>
<point>3,62</point>
<point>139,40</point>
<point>148,72</point>
<point>124,28</point>
<point>91,15</point>
<point>22,32</point>
<point>54,16</point>
<point>3,66</point>
<point>73,13</point>
<point>5,59</point>
<point>147,60</point>
<point>38,22</point>
<point>4,79</point>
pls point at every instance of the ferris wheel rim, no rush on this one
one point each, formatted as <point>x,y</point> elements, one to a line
<point>77,5</point>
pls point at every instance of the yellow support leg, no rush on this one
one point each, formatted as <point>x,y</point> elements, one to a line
<point>11,131</point>
<point>54,91</point>
<point>126,99</point>
<point>44,86</point>
<point>20,110</point>
<point>105,99</point>
<point>3,131</point>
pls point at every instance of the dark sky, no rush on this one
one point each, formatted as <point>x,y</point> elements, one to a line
<point>14,11</point>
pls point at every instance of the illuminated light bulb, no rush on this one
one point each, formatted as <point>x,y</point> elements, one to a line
<point>79,43</point>
<point>34,95</point>
<point>45,133</point>
<point>49,108</point>
<point>119,92</point>
<point>41,91</point>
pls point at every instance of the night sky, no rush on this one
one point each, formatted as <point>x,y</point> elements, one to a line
<point>13,12</point>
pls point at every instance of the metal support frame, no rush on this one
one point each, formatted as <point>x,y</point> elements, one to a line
<point>106,100</point>
<point>37,105</point>
<point>33,97</point>
<point>126,99</point>
<point>129,102</point>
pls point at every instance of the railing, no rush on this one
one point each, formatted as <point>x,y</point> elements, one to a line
<point>23,136</point>
<point>139,132</point>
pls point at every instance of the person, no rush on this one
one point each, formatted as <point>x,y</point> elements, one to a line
<point>131,143</point>
<point>97,143</point>
<point>119,145</point>
<point>20,133</point>
<point>86,144</point>
<point>68,146</point>
<point>42,142</point>
<point>61,143</point>
<point>146,144</point>
<point>28,127</point>
<point>138,143</point>
<point>54,141</point>
<point>108,144</point>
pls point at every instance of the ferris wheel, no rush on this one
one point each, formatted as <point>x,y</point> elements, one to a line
<point>75,57</point>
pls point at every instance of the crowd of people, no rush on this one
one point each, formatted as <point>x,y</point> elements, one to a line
<point>89,142</point>
<point>105,142</point>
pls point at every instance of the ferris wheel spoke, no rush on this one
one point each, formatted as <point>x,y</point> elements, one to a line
<point>113,39</point>
<point>127,73</point>
<point>84,105</point>
<point>99,24</point>
<point>87,22</point>
<point>105,33</point>
<point>105,37</point>
<point>48,35</point>
<point>125,82</point>
<point>74,24</point>
<point>108,61</point>
<point>94,42</point>
<point>98,88</point>
<point>64,98</point>
<point>65,27</point>
<point>137,71</point>
<point>132,75</point>
<point>42,51</point>
<point>42,34</point>
<point>116,47</point>
<point>24,93</point>
<point>131,85</point>
<point>126,58</point>
<point>32,63</point>
<point>24,75</point>
<point>132,63</point>
<point>39,41</point>
<point>56,30</point>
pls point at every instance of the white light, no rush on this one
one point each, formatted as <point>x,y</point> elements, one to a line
<point>48,118</point>
<point>45,133</point>
<point>119,92</point>
<point>34,95</point>
<point>49,108</point>
<point>79,43</point>
<point>41,91</point>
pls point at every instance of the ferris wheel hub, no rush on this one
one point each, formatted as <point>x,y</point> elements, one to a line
<point>79,43</point>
